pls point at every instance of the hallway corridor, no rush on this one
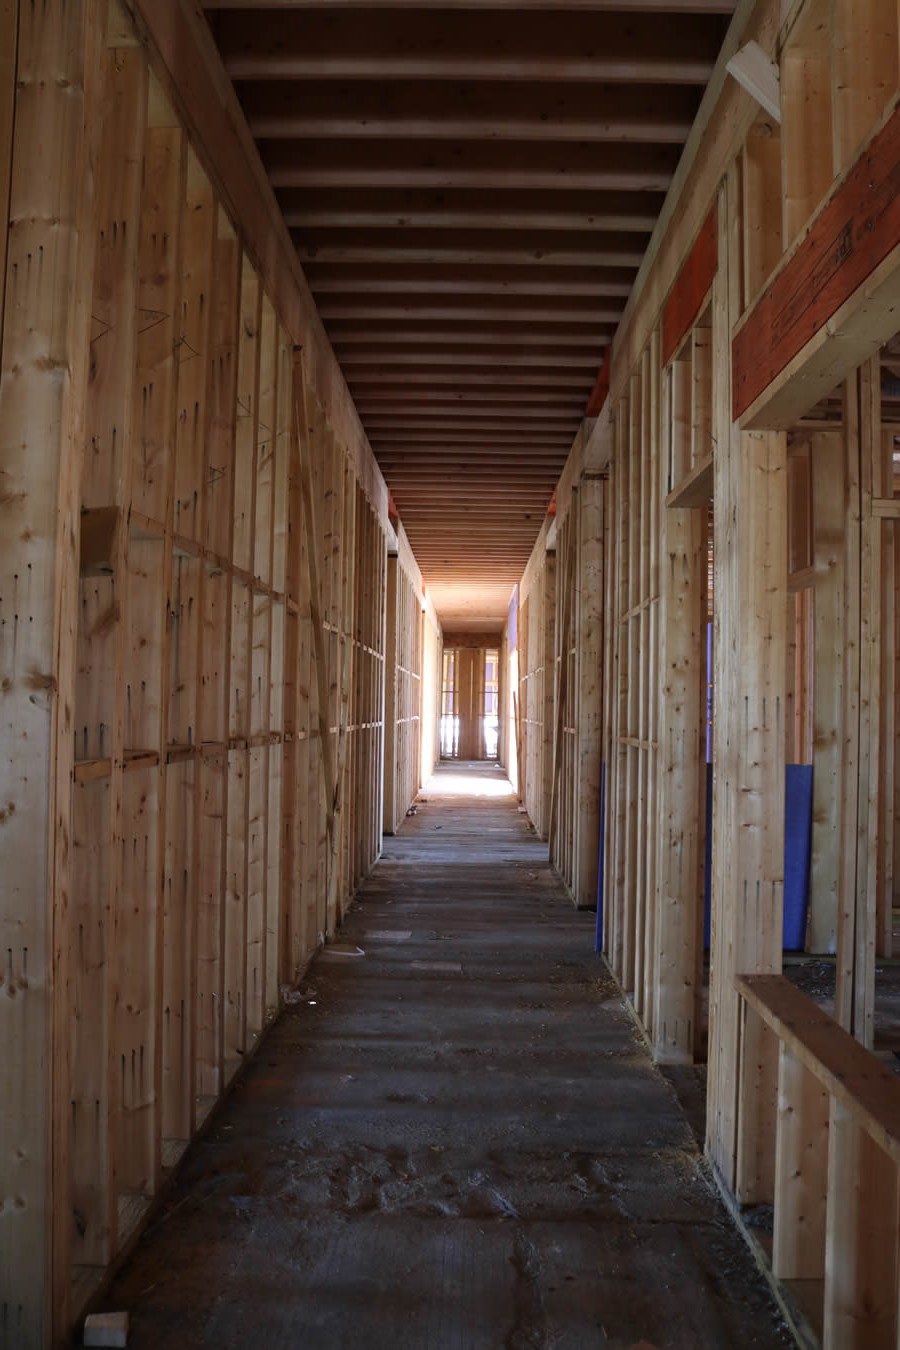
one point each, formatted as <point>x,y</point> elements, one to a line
<point>454,1142</point>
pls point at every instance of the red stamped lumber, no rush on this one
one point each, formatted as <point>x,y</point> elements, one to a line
<point>691,287</point>
<point>851,235</point>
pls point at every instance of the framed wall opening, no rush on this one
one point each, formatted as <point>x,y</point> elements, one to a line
<point>490,730</point>
<point>470,699</point>
<point>449,709</point>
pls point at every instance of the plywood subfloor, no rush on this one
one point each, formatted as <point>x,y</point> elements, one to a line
<point>454,1143</point>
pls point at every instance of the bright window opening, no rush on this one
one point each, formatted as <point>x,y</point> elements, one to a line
<point>491,704</point>
<point>449,708</point>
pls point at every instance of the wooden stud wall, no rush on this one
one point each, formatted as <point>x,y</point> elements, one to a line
<point>508,731</point>
<point>630,920</point>
<point>405,694</point>
<point>49,74</point>
<point>560,677</point>
<point>800,497</point>
<point>835,1183</point>
<point>655,721</point>
<point>432,677</point>
<point>537,612</point>
<point>563,793</point>
<point>804,561</point>
<point>805,649</point>
<point>684,612</point>
<point>168,623</point>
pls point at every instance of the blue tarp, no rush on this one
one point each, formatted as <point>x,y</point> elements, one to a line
<point>798,801</point>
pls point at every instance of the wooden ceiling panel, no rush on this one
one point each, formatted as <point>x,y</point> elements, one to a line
<point>510,166</point>
<point>471,188</point>
<point>482,208</point>
<point>485,246</point>
<point>451,110</point>
<point>476,44</point>
<point>431,284</point>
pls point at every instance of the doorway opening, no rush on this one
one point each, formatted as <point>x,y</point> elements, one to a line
<point>470,702</point>
<point>449,709</point>
<point>491,719</point>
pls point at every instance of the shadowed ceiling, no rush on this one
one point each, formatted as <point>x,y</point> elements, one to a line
<point>471,189</point>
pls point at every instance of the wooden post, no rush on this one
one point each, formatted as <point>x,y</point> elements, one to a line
<point>589,700</point>
<point>801,1172</point>
<point>750,482</point>
<point>315,599</point>
<point>379,620</point>
<point>545,638</point>
<point>564,625</point>
<point>391,805</point>
<point>9,23</point>
<point>761,192</point>
<point>865,68</point>
<point>679,957</point>
<point>861,1240</point>
<point>45,332</point>
<point>859,942</point>
<point>122,1161</point>
<point>629,685</point>
<point>806,123</point>
<point>832,531</point>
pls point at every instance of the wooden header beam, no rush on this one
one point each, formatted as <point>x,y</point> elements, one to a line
<point>855,230</point>
<point>692,286</point>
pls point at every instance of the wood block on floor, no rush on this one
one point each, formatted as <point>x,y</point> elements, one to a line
<point>108,1329</point>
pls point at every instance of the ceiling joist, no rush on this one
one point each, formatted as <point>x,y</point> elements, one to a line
<point>471,186</point>
<point>307,44</point>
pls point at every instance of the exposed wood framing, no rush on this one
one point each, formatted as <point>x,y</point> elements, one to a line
<point>59,53</point>
<point>165,665</point>
<point>846,259</point>
<point>189,66</point>
<point>748,753</point>
<point>560,658</point>
<point>537,610</point>
<point>837,1154</point>
<point>683,582</point>
<point>805,612</point>
<point>405,697</point>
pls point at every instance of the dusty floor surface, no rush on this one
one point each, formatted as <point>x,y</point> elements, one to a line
<point>460,1145</point>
